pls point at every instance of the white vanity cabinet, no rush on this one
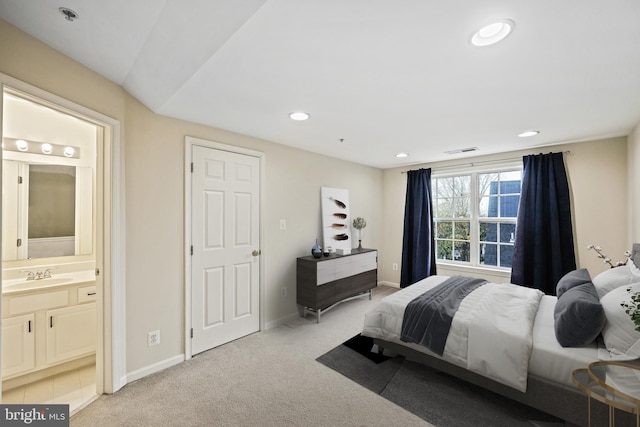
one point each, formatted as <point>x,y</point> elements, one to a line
<point>18,345</point>
<point>42,328</point>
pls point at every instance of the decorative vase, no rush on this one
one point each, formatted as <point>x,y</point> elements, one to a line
<point>360,236</point>
<point>316,250</point>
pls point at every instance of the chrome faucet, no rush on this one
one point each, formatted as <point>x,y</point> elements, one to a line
<point>30,274</point>
<point>46,274</point>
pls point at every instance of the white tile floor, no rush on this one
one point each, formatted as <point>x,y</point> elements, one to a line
<point>76,388</point>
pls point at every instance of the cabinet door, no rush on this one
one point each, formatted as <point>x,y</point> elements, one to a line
<point>18,345</point>
<point>71,332</point>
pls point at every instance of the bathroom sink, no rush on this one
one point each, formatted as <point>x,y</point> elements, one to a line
<point>34,284</point>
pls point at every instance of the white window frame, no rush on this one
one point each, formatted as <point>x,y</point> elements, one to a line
<point>474,226</point>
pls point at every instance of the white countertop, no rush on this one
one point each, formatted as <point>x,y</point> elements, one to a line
<point>62,279</point>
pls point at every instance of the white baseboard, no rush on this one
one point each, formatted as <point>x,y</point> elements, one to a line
<point>156,367</point>
<point>121,383</point>
<point>280,321</point>
<point>391,284</point>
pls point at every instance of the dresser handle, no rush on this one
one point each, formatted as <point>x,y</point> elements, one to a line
<point>91,293</point>
<point>29,326</point>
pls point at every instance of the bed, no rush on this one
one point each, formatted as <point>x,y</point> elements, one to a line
<point>507,338</point>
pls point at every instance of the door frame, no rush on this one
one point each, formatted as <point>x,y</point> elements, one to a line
<point>110,250</point>
<point>190,141</point>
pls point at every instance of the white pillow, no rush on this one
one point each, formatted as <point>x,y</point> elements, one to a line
<point>613,278</point>
<point>619,332</point>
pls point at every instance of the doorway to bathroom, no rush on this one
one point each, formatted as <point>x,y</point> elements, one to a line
<point>59,307</point>
<point>49,288</point>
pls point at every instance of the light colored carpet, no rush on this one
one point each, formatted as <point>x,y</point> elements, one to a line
<point>269,378</point>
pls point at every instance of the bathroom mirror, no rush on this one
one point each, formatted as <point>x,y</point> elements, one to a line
<point>47,210</point>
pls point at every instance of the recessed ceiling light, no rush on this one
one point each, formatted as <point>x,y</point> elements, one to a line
<point>528,133</point>
<point>299,115</point>
<point>402,155</point>
<point>493,33</point>
<point>69,14</point>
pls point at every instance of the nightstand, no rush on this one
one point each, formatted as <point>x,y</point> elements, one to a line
<point>615,384</point>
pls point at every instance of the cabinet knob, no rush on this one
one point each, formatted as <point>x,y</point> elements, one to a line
<point>256,253</point>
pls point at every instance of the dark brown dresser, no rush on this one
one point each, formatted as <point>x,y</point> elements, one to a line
<point>322,283</point>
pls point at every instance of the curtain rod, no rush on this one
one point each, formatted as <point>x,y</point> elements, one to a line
<point>471,164</point>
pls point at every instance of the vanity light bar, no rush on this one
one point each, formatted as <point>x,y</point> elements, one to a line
<point>46,148</point>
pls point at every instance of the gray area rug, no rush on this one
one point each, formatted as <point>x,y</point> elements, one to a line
<point>435,397</point>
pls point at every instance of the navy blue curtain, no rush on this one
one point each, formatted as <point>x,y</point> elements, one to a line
<point>543,250</point>
<point>418,247</point>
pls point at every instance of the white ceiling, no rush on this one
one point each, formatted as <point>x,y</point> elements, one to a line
<point>385,76</point>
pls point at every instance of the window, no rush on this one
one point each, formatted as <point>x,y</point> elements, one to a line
<point>475,217</point>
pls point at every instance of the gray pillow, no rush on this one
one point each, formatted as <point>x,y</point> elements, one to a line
<point>635,254</point>
<point>578,316</point>
<point>571,279</point>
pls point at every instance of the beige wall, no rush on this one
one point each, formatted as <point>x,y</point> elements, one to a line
<point>154,153</point>
<point>633,162</point>
<point>597,173</point>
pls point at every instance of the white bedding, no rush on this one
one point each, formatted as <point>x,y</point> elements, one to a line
<point>492,319</point>
<point>548,358</point>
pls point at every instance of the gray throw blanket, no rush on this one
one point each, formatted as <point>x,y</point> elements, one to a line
<point>427,318</point>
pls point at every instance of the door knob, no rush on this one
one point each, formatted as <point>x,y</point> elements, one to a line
<point>256,253</point>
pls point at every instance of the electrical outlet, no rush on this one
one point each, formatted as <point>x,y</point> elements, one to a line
<point>283,224</point>
<point>283,292</point>
<point>395,266</point>
<point>153,338</point>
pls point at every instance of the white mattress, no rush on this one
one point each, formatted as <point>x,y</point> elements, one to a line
<point>548,358</point>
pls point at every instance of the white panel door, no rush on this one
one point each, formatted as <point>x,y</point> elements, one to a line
<point>225,237</point>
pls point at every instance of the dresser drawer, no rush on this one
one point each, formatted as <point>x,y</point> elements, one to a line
<point>343,267</point>
<point>325,272</point>
<point>364,262</point>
